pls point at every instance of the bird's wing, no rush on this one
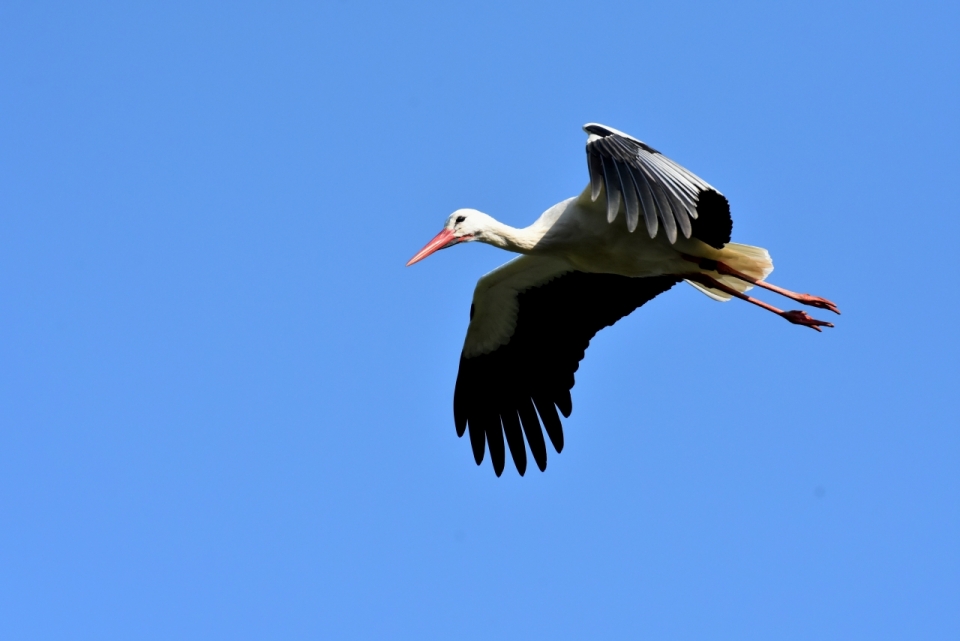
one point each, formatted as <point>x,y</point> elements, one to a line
<point>530,324</point>
<point>651,185</point>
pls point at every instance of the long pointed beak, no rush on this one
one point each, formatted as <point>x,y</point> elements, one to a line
<point>443,239</point>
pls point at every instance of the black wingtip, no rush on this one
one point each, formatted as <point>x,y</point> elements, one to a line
<point>495,443</point>
<point>597,129</point>
<point>477,442</point>
<point>551,422</point>
<point>513,434</point>
<point>520,460</point>
<point>565,404</point>
<point>531,429</point>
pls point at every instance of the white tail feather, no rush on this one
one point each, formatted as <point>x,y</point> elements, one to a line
<point>747,259</point>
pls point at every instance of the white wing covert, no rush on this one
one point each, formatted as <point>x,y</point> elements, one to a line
<point>494,310</point>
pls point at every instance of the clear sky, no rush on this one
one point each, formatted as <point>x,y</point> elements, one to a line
<point>226,405</point>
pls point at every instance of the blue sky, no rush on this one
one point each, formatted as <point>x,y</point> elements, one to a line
<point>226,404</point>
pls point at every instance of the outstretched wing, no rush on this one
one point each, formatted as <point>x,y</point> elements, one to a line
<point>531,322</point>
<point>651,185</point>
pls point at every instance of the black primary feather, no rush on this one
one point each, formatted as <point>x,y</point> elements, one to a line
<point>497,392</point>
<point>713,224</point>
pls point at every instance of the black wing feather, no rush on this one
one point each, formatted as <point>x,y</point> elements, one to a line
<point>514,433</point>
<point>490,424</point>
<point>713,224</point>
<point>612,180</point>
<point>551,423</point>
<point>531,428</point>
<point>555,324</point>
<point>664,191</point>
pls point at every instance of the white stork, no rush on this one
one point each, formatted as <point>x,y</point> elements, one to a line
<point>584,268</point>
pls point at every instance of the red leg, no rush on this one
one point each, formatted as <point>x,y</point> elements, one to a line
<point>796,317</point>
<point>722,268</point>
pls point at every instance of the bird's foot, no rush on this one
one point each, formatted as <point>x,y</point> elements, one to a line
<point>816,301</point>
<point>798,317</point>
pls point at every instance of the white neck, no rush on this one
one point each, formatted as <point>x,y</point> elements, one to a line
<point>521,241</point>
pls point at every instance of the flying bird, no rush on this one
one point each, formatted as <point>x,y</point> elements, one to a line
<point>584,267</point>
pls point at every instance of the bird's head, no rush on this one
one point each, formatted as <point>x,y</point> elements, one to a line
<point>462,226</point>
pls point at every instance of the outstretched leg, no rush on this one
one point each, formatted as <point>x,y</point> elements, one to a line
<point>726,270</point>
<point>797,317</point>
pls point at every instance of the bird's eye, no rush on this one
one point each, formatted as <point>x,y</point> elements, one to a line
<point>460,219</point>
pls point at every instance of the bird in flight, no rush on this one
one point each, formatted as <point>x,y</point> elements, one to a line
<point>584,267</point>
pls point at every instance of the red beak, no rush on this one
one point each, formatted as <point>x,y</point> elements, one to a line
<point>442,240</point>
